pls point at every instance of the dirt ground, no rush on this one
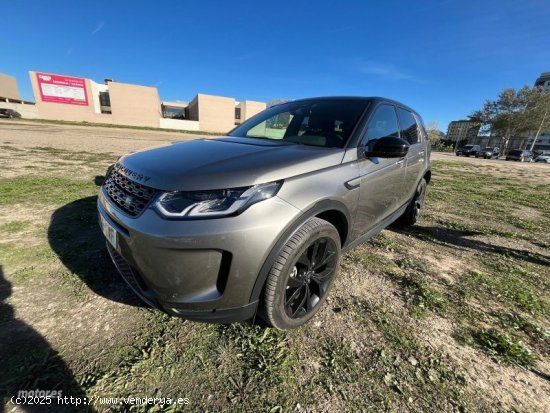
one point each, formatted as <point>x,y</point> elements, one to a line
<point>121,141</point>
<point>462,326</point>
<point>84,138</point>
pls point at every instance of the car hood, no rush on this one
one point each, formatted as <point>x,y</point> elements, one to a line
<point>224,162</point>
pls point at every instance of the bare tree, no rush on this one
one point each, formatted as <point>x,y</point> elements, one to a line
<point>433,131</point>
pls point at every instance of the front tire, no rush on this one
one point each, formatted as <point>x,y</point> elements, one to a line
<point>302,275</point>
<point>411,214</point>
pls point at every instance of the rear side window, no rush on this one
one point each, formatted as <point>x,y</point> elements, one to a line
<point>409,128</point>
<point>421,127</point>
<point>383,123</point>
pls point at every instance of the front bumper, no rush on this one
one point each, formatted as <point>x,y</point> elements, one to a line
<point>197,269</point>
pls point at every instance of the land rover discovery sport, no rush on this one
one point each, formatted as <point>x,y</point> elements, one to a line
<point>224,228</point>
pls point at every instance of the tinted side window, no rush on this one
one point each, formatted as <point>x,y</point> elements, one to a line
<point>409,128</point>
<point>421,127</point>
<point>383,123</point>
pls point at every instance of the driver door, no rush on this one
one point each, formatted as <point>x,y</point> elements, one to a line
<point>381,179</point>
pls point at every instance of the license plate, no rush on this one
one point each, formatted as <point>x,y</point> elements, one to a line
<point>109,232</point>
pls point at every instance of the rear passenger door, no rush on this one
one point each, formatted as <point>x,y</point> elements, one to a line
<point>415,160</point>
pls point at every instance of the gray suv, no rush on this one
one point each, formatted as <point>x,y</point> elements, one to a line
<point>222,229</point>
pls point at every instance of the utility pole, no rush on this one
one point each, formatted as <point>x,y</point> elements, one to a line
<point>538,132</point>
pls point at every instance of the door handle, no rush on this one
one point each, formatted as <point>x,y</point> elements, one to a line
<point>421,153</point>
<point>353,183</point>
<point>400,161</point>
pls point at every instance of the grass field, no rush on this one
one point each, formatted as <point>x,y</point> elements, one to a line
<point>451,315</point>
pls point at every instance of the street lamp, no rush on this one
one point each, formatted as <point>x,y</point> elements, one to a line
<point>538,132</point>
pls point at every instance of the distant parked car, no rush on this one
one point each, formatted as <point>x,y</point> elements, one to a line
<point>468,150</point>
<point>543,158</point>
<point>9,113</point>
<point>520,155</point>
<point>488,153</point>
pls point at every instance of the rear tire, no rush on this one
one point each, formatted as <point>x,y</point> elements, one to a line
<point>302,275</point>
<point>411,214</point>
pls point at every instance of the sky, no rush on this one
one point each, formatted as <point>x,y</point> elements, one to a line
<point>443,58</point>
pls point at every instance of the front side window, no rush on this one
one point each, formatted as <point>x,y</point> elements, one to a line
<point>324,123</point>
<point>383,123</point>
<point>409,128</point>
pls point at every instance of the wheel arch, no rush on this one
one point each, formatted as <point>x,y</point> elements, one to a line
<point>332,211</point>
<point>339,221</point>
<point>428,176</point>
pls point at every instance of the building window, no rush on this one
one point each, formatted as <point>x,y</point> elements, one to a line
<point>237,113</point>
<point>174,112</point>
<point>105,102</point>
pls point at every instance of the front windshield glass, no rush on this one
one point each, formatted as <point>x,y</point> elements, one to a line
<point>325,123</point>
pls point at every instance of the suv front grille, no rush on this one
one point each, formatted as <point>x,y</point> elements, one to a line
<point>130,196</point>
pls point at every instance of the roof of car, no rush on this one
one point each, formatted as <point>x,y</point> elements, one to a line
<point>359,98</point>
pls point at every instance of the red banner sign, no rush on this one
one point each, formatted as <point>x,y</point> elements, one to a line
<point>62,89</point>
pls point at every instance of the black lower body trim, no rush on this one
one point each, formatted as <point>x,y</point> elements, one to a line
<point>226,315</point>
<point>132,278</point>
<point>136,283</point>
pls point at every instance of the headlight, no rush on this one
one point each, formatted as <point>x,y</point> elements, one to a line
<point>213,204</point>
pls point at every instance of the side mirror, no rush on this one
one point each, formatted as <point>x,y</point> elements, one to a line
<point>388,147</point>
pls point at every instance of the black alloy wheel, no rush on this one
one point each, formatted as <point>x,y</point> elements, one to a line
<point>310,277</point>
<point>418,202</point>
<point>302,275</point>
<point>412,213</point>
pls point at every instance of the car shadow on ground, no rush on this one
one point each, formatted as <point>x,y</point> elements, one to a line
<point>29,362</point>
<point>461,239</point>
<point>75,236</point>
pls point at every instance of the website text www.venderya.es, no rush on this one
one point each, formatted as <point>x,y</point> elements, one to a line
<point>47,398</point>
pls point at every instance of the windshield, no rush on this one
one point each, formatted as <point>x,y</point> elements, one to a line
<point>516,152</point>
<point>468,147</point>
<point>325,123</point>
<point>488,149</point>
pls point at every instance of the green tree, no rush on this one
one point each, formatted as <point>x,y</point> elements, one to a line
<point>515,112</point>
